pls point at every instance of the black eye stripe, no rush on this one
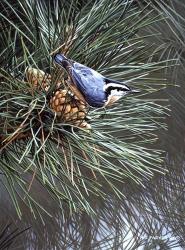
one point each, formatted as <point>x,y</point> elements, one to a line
<point>110,88</point>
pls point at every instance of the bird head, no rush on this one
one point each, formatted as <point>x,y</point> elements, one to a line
<point>115,91</point>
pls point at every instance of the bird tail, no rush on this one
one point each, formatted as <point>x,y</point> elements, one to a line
<point>61,60</point>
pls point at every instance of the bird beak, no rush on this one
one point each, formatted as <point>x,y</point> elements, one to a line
<point>133,91</point>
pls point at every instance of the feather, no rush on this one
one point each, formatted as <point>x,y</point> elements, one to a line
<point>93,87</point>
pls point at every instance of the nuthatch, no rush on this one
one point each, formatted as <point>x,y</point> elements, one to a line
<point>90,86</point>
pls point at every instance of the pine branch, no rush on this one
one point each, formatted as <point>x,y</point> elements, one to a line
<point>72,163</point>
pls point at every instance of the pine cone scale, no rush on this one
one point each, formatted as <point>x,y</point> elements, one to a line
<point>66,105</point>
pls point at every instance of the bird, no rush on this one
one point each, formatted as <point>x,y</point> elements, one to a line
<point>90,86</point>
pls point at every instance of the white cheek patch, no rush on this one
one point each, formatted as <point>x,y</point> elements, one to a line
<point>114,96</point>
<point>118,93</point>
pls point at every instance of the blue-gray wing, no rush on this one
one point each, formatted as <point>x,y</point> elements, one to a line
<point>90,83</point>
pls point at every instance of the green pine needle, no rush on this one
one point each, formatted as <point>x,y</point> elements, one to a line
<point>73,164</point>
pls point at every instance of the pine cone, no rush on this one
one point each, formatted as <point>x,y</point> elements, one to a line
<point>67,106</point>
<point>38,78</point>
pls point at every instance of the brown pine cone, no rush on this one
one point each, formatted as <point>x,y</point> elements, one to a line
<point>38,78</point>
<point>68,108</point>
